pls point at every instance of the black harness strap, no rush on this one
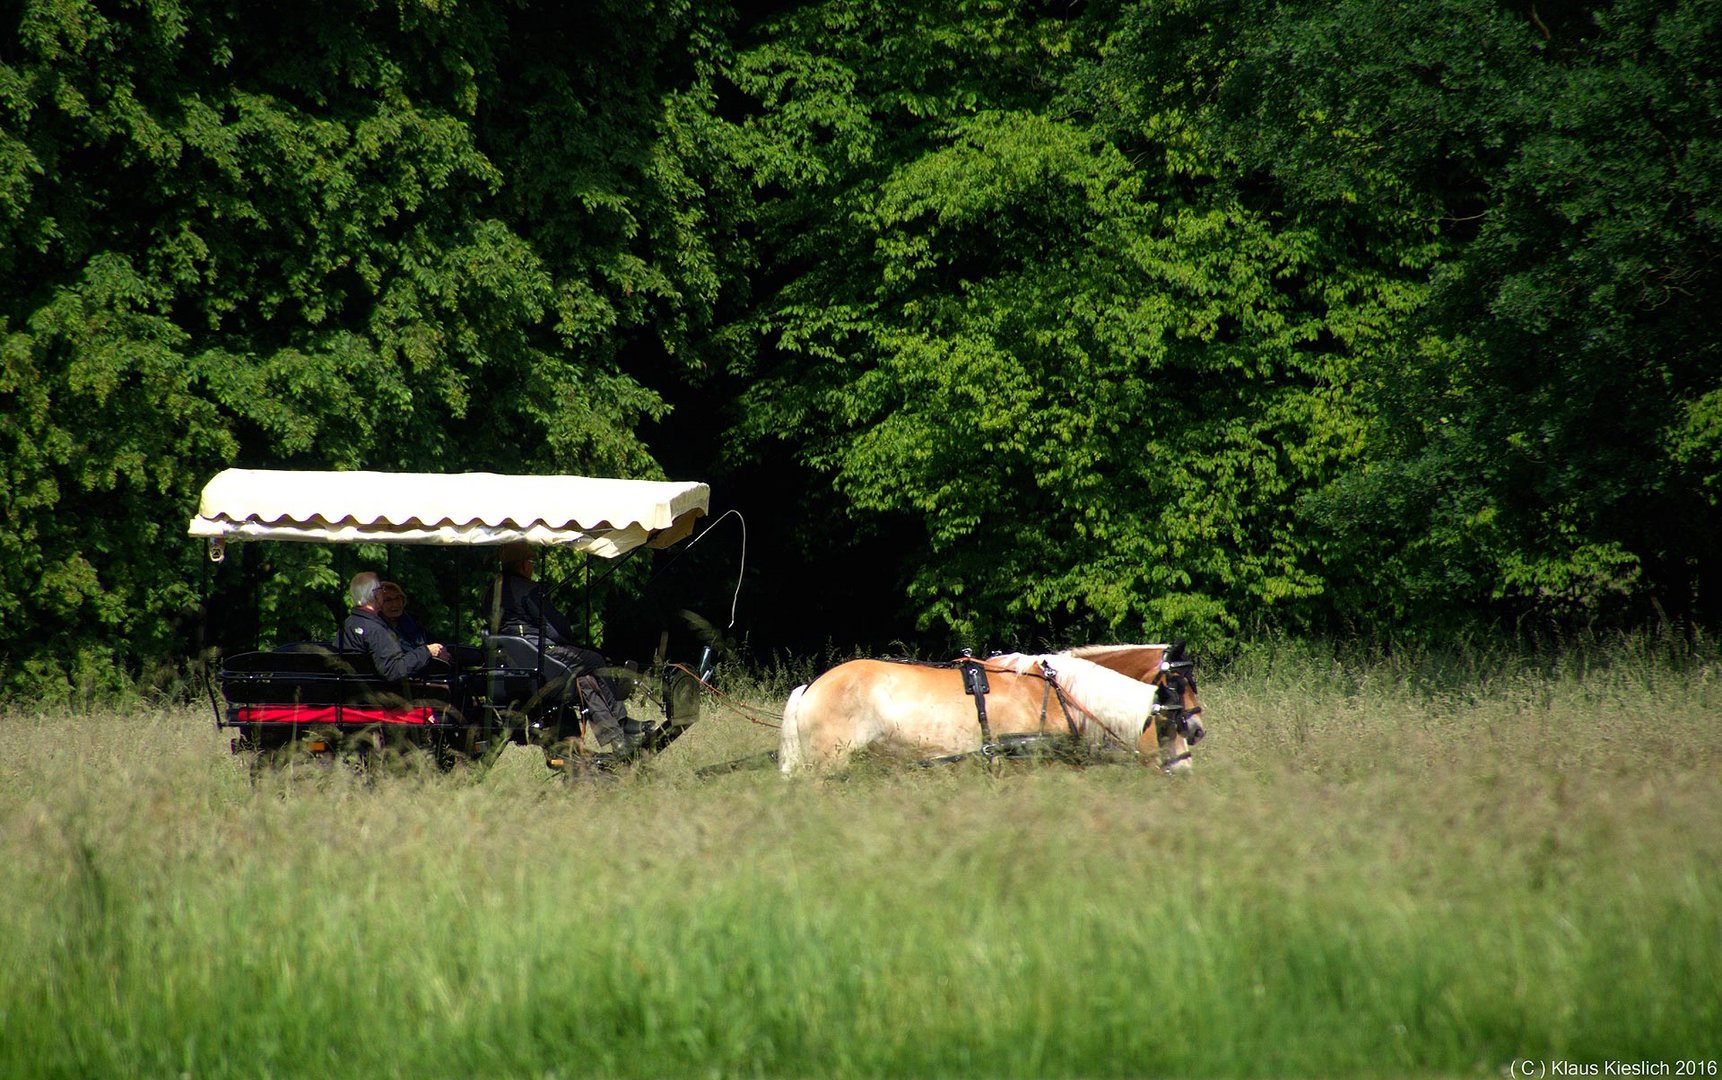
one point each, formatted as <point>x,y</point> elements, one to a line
<point>975,685</point>
<point>1052,687</point>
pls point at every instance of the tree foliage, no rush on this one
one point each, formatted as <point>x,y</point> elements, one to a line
<point>1131,318</point>
<point>319,236</point>
<point>1541,446</point>
<point>1098,377</point>
<point>1187,317</point>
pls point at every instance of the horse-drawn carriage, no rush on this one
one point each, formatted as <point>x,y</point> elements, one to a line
<point>312,697</point>
<point>1090,703</point>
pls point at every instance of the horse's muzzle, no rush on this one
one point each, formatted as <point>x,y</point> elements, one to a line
<point>1192,729</point>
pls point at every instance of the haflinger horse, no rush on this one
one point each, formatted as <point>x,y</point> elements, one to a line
<point>1136,698</point>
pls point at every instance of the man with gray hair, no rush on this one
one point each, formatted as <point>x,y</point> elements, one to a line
<point>367,631</point>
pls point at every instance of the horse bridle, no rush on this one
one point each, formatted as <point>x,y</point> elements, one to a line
<point>1167,710</point>
<point>1170,716</point>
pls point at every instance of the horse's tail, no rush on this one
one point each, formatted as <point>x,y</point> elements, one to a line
<point>791,757</point>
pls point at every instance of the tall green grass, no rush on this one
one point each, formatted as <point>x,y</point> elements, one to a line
<point>1385,864</point>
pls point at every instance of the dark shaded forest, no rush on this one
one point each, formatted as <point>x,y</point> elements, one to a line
<point>1000,324</point>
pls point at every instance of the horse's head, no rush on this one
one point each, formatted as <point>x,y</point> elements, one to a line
<point>1177,714</point>
<point>1174,720</point>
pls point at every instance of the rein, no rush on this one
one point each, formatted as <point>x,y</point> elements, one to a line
<point>725,702</point>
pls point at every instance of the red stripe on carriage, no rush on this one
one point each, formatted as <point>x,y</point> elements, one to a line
<point>332,714</point>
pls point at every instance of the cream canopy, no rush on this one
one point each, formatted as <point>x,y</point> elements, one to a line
<point>596,515</point>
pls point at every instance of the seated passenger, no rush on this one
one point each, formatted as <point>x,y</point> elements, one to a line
<point>519,606</point>
<point>367,631</point>
<point>392,605</point>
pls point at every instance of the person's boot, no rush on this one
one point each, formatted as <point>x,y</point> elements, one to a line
<point>639,733</point>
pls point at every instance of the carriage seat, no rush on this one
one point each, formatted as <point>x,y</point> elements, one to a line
<point>312,673</point>
<point>517,668</point>
<point>319,671</point>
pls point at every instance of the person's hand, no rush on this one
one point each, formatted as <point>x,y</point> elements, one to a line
<point>438,650</point>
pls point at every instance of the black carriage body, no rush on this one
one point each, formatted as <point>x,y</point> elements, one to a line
<point>313,694</point>
<point>311,691</point>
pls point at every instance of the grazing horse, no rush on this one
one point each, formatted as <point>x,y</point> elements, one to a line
<point>1106,695</point>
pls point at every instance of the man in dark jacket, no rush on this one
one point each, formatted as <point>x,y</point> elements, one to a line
<point>519,606</point>
<point>367,631</point>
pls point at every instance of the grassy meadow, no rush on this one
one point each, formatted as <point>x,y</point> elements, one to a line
<point>1384,865</point>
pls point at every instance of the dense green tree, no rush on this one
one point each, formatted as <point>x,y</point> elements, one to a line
<point>1545,427</point>
<point>1185,316</point>
<point>1096,378</point>
<point>313,236</point>
<point>1024,322</point>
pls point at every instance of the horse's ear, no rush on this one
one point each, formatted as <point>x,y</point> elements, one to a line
<point>1175,651</point>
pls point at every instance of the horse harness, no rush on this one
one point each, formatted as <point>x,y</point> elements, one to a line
<point>975,685</point>
<point>1168,712</point>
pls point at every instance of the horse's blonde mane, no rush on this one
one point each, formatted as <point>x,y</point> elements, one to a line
<point>1085,651</point>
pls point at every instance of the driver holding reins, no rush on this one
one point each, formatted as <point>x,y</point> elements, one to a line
<point>519,606</point>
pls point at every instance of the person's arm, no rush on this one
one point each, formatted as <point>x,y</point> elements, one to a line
<point>393,662</point>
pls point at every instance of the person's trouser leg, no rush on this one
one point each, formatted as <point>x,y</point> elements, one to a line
<point>599,702</point>
<point>603,713</point>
